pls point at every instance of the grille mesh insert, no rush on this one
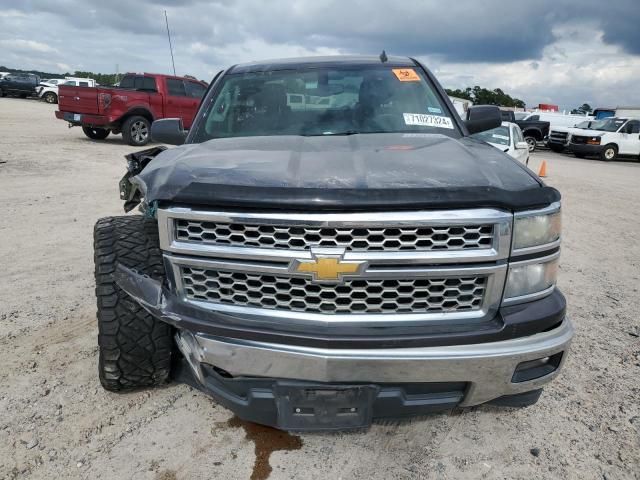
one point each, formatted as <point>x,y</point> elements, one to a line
<point>352,239</point>
<point>419,295</point>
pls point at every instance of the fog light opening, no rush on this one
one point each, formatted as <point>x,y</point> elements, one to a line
<point>532,369</point>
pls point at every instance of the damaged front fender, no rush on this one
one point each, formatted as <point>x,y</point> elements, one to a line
<point>146,291</point>
<point>131,190</point>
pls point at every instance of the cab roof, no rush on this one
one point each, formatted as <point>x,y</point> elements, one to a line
<point>318,62</point>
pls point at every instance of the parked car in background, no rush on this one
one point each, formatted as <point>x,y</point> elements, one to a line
<point>52,81</point>
<point>49,92</point>
<point>533,129</point>
<point>132,107</point>
<point>461,105</point>
<point>557,119</point>
<point>3,74</point>
<point>22,85</point>
<point>603,112</point>
<point>507,138</point>
<point>615,137</point>
<point>607,112</point>
<point>560,137</point>
<point>632,112</point>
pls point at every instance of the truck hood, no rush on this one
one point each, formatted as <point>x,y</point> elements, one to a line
<point>365,171</point>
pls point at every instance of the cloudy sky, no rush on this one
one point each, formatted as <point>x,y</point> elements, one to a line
<point>549,51</point>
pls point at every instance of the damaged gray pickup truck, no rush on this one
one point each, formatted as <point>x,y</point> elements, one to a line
<point>329,246</point>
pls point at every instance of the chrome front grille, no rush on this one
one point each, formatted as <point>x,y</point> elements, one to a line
<point>396,266</point>
<point>352,239</point>
<point>421,295</point>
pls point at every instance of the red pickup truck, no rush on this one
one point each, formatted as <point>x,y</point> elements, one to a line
<point>130,108</point>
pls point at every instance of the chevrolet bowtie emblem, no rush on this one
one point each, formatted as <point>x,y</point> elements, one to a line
<point>328,267</point>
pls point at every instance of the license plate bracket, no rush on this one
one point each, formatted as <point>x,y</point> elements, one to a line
<point>304,407</point>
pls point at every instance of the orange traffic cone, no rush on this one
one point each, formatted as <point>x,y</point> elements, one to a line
<point>543,169</point>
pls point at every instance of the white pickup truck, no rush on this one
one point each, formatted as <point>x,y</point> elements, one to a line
<point>49,91</point>
<point>616,136</point>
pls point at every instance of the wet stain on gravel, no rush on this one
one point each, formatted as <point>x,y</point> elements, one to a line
<point>266,440</point>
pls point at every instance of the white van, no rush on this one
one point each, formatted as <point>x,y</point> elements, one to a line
<point>560,137</point>
<point>616,136</point>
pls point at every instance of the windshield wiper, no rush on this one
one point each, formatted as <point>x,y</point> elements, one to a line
<point>329,134</point>
<point>343,133</point>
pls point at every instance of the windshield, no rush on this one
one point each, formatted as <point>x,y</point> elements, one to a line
<point>325,101</point>
<point>499,135</point>
<point>611,124</point>
<point>521,115</point>
<point>591,124</point>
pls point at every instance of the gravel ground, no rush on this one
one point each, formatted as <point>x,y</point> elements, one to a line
<point>56,420</point>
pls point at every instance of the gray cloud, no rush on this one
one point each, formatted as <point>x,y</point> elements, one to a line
<point>209,35</point>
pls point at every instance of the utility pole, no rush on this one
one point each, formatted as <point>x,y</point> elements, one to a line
<point>170,46</point>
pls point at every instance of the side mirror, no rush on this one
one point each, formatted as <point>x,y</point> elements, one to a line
<point>522,146</point>
<point>482,118</point>
<point>168,130</point>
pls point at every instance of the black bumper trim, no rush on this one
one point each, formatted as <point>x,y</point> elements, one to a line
<point>256,399</point>
<point>585,149</point>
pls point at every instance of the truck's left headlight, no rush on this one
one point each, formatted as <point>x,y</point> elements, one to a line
<point>531,277</point>
<point>533,230</point>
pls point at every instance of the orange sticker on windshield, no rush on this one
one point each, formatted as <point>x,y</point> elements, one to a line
<point>406,74</point>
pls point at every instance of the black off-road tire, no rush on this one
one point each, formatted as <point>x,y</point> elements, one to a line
<point>96,133</point>
<point>136,131</point>
<point>135,349</point>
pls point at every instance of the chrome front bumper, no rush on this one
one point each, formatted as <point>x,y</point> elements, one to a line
<point>488,368</point>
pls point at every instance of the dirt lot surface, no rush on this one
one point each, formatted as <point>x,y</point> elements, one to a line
<point>57,422</point>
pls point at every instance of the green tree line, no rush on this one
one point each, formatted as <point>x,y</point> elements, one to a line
<point>101,78</point>
<point>483,96</point>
